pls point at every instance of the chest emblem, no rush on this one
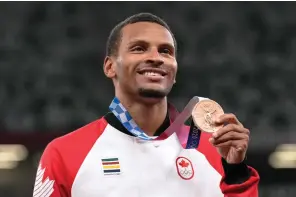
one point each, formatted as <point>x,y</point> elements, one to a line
<point>184,168</point>
<point>111,166</point>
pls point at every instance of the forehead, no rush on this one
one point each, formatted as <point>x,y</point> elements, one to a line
<point>146,31</point>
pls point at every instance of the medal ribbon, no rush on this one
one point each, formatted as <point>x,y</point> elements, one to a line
<point>177,123</point>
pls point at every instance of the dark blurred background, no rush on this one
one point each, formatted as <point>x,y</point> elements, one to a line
<point>241,54</point>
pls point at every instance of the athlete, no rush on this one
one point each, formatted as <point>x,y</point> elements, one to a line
<point>118,155</point>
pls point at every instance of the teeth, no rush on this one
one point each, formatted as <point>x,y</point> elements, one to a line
<point>152,74</point>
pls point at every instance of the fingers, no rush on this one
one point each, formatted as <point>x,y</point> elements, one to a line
<point>233,134</point>
<point>228,128</point>
<point>228,118</point>
<point>230,136</point>
<point>240,145</point>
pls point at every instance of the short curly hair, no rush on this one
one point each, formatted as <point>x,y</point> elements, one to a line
<point>114,38</point>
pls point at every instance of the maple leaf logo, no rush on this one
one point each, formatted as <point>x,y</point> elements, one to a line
<point>42,188</point>
<point>183,164</point>
<point>184,168</point>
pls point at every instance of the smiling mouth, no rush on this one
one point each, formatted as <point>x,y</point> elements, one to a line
<point>152,72</point>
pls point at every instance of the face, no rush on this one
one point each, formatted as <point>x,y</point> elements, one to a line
<point>145,65</point>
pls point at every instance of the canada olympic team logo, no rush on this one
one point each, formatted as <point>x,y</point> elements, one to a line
<point>184,168</point>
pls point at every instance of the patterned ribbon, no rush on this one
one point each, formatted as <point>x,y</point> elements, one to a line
<point>177,123</point>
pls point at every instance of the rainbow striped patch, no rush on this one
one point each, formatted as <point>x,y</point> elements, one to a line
<point>111,166</point>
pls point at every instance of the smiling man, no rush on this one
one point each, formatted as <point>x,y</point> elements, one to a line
<point>118,155</point>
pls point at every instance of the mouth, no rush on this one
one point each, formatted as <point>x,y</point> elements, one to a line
<point>152,72</point>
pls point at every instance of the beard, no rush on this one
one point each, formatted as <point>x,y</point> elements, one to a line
<point>151,93</point>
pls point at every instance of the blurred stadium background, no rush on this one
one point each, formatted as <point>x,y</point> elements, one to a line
<point>241,54</point>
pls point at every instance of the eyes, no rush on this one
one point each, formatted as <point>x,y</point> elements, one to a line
<point>138,49</point>
<point>166,51</point>
<point>141,49</point>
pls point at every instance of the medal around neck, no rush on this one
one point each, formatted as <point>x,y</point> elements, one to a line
<point>177,123</point>
<point>126,120</point>
<point>204,113</point>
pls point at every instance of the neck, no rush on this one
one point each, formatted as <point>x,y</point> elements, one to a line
<point>149,116</point>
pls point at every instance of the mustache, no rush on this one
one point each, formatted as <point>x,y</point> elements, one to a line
<point>164,67</point>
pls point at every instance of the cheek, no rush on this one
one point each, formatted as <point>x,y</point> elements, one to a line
<point>125,74</point>
<point>174,71</point>
<point>122,69</point>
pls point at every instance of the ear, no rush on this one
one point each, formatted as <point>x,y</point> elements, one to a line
<point>109,69</point>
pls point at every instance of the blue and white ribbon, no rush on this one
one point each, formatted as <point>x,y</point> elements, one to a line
<point>128,122</point>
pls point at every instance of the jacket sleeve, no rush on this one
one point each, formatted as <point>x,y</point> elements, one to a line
<point>50,181</point>
<point>238,180</point>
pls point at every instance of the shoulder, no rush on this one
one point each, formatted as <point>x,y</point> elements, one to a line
<point>84,135</point>
<point>64,155</point>
<point>71,149</point>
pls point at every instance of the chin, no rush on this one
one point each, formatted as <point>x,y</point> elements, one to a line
<point>153,93</point>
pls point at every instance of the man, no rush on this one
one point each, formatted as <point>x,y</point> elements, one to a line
<point>117,154</point>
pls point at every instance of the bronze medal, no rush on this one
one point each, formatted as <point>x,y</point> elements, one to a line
<point>204,113</point>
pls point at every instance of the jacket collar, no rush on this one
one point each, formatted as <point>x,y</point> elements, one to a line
<point>114,122</point>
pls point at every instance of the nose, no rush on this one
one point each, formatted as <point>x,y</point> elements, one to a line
<point>154,58</point>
